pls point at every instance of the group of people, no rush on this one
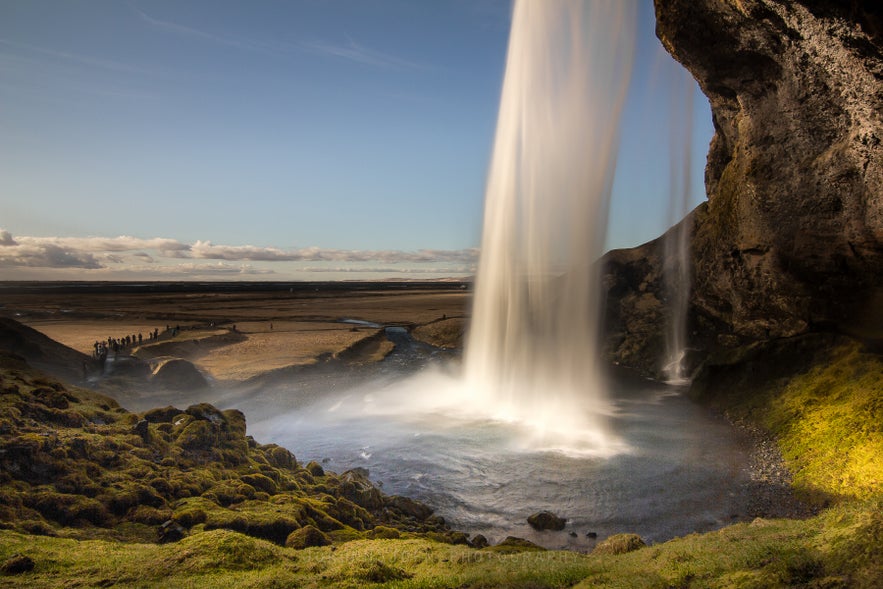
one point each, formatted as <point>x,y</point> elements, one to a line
<point>103,347</point>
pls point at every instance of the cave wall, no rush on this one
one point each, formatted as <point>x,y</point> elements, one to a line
<point>790,240</point>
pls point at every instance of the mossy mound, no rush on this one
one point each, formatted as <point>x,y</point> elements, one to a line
<point>822,398</point>
<point>619,544</point>
<point>307,537</point>
<point>76,464</point>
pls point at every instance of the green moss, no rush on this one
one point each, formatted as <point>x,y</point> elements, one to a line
<point>619,544</point>
<point>828,420</point>
<point>841,547</point>
<point>259,481</point>
<point>384,533</point>
<point>306,537</point>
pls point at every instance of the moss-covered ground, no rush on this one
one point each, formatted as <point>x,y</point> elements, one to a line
<point>86,512</point>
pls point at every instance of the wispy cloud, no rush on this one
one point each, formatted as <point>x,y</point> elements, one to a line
<point>353,51</point>
<point>199,34</point>
<point>84,60</point>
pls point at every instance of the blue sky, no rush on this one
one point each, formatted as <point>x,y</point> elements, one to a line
<point>275,139</point>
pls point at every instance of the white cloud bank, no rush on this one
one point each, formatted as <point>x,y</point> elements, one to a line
<point>126,257</point>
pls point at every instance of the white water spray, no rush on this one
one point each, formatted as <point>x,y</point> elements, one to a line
<point>676,243</point>
<point>531,354</point>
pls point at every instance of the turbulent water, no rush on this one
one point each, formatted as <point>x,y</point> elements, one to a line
<point>531,352</point>
<point>676,470</point>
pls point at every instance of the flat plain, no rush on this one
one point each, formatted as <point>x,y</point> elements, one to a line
<point>236,331</point>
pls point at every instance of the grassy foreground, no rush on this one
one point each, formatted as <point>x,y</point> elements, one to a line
<point>840,548</point>
<point>829,420</point>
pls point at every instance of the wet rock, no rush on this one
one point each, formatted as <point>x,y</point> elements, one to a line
<point>546,520</point>
<point>409,507</point>
<point>17,564</point>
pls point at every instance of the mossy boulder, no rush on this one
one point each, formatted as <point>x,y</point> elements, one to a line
<point>162,414</point>
<point>514,545</point>
<point>70,510</point>
<point>619,544</point>
<point>279,456</point>
<point>384,533</point>
<point>17,564</point>
<point>315,469</point>
<point>408,507</point>
<point>114,474</point>
<point>199,435</point>
<point>355,486</point>
<point>261,482</point>
<point>307,537</point>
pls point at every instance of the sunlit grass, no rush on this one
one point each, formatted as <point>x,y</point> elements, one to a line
<point>829,424</point>
<point>843,547</point>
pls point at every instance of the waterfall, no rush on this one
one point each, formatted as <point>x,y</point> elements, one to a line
<point>676,242</point>
<point>531,353</point>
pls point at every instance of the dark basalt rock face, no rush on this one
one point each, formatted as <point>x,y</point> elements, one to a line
<point>790,241</point>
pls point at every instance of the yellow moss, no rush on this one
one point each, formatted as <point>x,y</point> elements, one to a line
<point>830,425</point>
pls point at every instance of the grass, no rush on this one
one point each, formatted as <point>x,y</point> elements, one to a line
<point>241,501</point>
<point>843,547</point>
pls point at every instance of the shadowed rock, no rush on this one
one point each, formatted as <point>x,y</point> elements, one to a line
<point>790,241</point>
<point>176,373</point>
<point>546,520</point>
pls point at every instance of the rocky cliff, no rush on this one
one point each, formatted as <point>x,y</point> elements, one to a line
<point>790,241</point>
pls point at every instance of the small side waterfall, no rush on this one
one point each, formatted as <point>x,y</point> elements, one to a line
<point>676,242</point>
<point>531,351</point>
